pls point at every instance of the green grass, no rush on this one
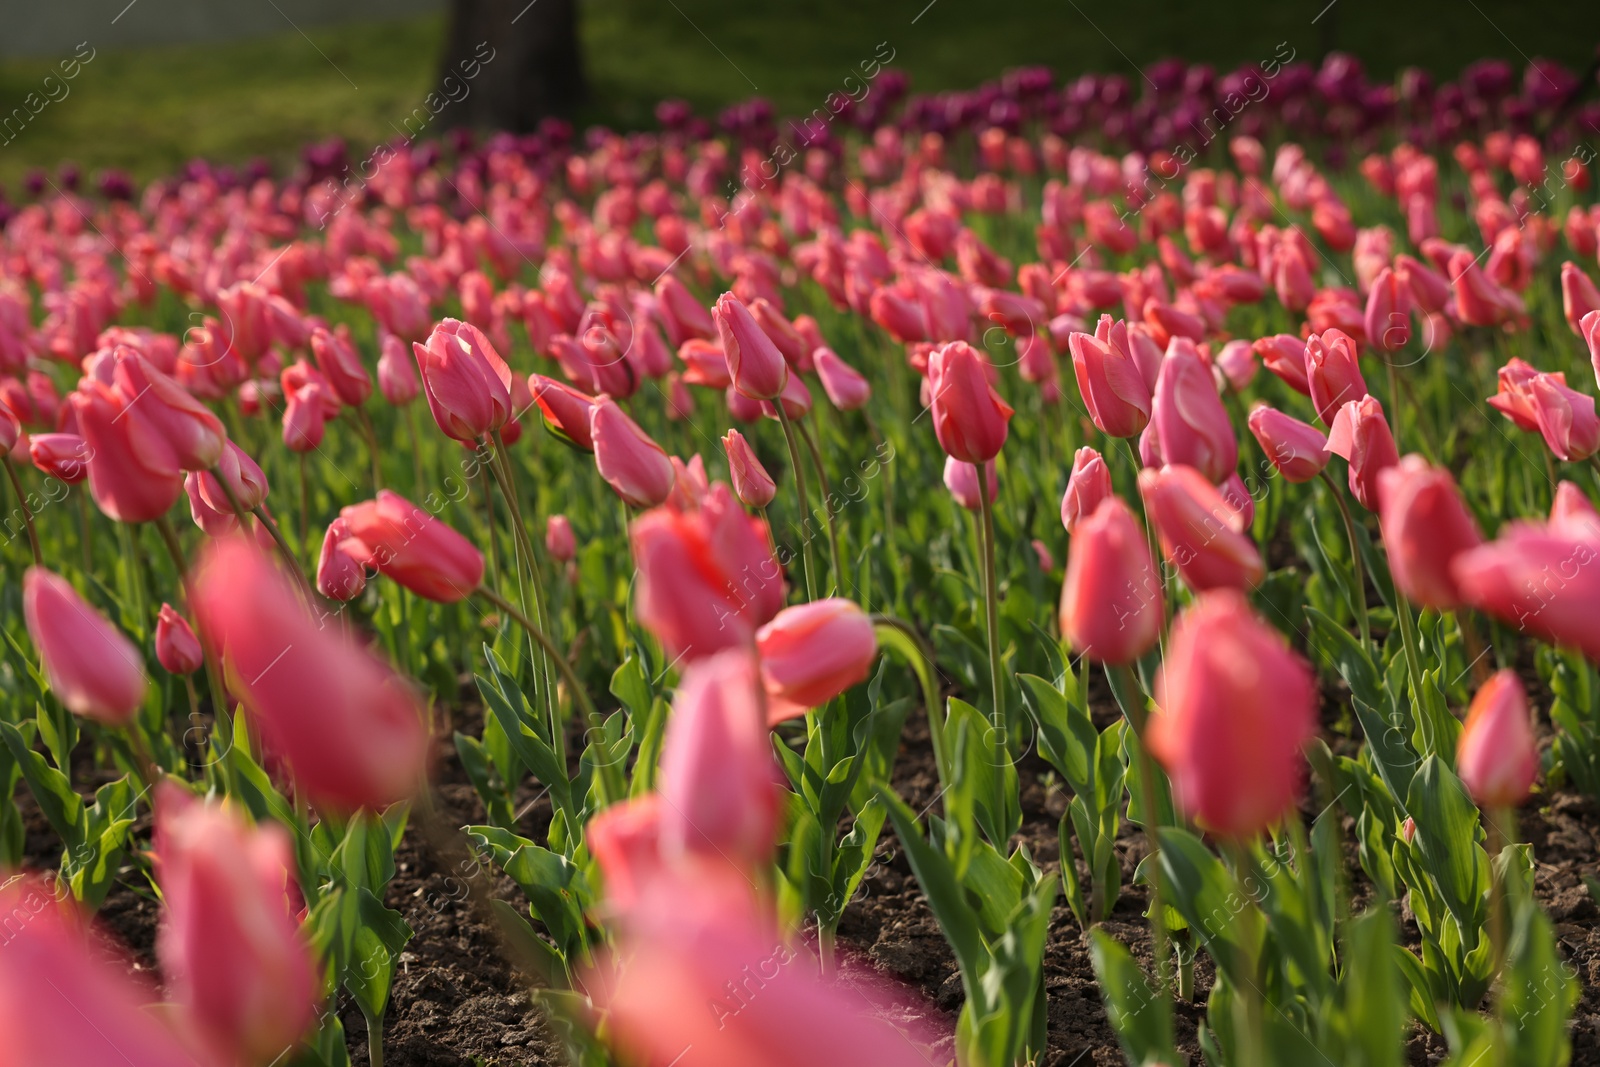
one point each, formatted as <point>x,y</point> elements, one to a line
<point>150,109</point>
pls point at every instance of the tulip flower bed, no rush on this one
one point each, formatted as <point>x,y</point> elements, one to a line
<point>608,603</point>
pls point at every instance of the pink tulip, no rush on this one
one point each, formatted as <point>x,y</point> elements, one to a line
<point>705,365</point>
<point>210,506</point>
<point>63,456</point>
<point>1566,417</point>
<point>467,384</point>
<point>133,472</point>
<point>397,376</point>
<point>166,410</point>
<point>1572,515</point>
<point>751,482</point>
<point>407,544</point>
<point>796,400</point>
<point>756,366</point>
<point>1589,329</point>
<point>1236,361</point>
<point>1236,710</point>
<point>969,418</point>
<point>341,570</point>
<point>812,653</point>
<point>962,481</point>
<point>1429,288</point>
<point>1541,580</point>
<point>1333,373</point>
<point>1360,434</point>
<point>305,418</point>
<point>1285,356</point>
<point>350,730</point>
<point>1111,604</point>
<point>625,841</point>
<point>340,363</point>
<point>1579,297</point>
<point>1089,484</point>
<point>1496,754</point>
<point>558,539</point>
<point>707,578</point>
<point>1200,532</point>
<point>238,969</point>
<point>1425,526</point>
<point>62,1002</point>
<point>781,332</point>
<point>566,411</point>
<point>718,778</point>
<point>1479,300</point>
<point>682,315</point>
<point>633,464</point>
<point>846,388</point>
<point>177,648</point>
<point>1388,317</point>
<point>94,670</point>
<point>1514,397</point>
<point>1189,417</point>
<point>1297,449</point>
<point>1110,382</point>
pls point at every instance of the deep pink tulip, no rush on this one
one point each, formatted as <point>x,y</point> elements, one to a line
<point>812,653</point>
<point>1513,397</point>
<point>566,411</point>
<point>1110,382</point>
<point>1236,710</point>
<point>1285,356</point>
<point>1425,526</point>
<point>1479,301</point>
<point>92,667</point>
<point>751,482</point>
<point>1333,373</point>
<point>397,375</point>
<point>1089,484</point>
<point>1236,362</point>
<point>1579,297</point>
<point>1360,434</point>
<point>238,968</point>
<point>1298,450</point>
<point>350,730</point>
<point>781,332</point>
<point>1589,329</point>
<point>1572,515</point>
<point>718,778</point>
<point>1541,580</point>
<point>467,383</point>
<point>559,540</point>
<point>1190,419</point>
<point>756,366</point>
<point>209,504</point>
<point>682,315</point>
<point>969,417</point>
<point>10,429</point>
<point>1389,308</point>
<point>305,418</point>
<point>707,578</point>
<point>341,568</point>
<point>847,389</point>
<point>63,456</point>
<point>962,481</point>
<point>341,364</point>
<point>403,542</point>
<point>177,648</point>
<point>633,464</point>
<point>625,841</point>
<point>134,473</point>
<point>1496,754</point>
<point>1429,288</point>
<point>1200,532</point>
<point>167,410</point>
<point>1111,603</point>
<point>1566,417</point>
<point>796,400</point>
<point>63,1003</point>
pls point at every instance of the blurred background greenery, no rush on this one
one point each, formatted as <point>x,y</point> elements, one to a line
<point>147,110</point>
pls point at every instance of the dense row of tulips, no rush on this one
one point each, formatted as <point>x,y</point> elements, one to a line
<point>708,680</point>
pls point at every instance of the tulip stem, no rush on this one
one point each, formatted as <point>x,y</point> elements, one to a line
<point>1130,698</point>
<point>805,506</point>
<point>991,600</point>
<point>888,483</point>
<point>1496,817</point>
<point>827,507</point>
<point>85,533</point>
<point>374,1038</point>
<point>416,453</point>
<point>27,512</point>
<point>1394,399</point>
<point>1358,595</point>
<point>219,699</point>
<point>149,770</point>
<point>371,435</point>
<point>305,511</point>
<point>1252,1046</point>
<point>579,696</point>
<point>927,674</point>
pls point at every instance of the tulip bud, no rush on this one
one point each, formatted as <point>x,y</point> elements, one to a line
<point>962,481</point>
<point>1111,603</point>
<point>1496,754</point>
<point>190,429</point>
<point>341,574</point>
<point>1236,710</point>
<point>633,464</point>
<point>566,411</point>
<point>1333,373</point>
<point>93,668</point>
<point>405,543</point>
<point>682,315</point>
<point>64,456</point>
<point>1360,434</point>
<point>467,384</point>
<point>1540,580</point>
<point>238,967</point>
<point>756,366</point>
<point>1579,297</point>
<point>1285,356</point>
<point>340,363</point>
<point>1388,316</point>
<point>846,388</point>
<point>751,482</point>
<point>969,417</point>
<point>133,471</point>
<point>304,419</point>
<point>796,400</point>
<point>1089,484</point>
<point>1296,449</point>
<point>1425,526</point>
<point>1572,515</point>
<point>1110,382</point>
<point>10,429</point>
<point>1200,532</point>
<point>558,539</point>
<point>1190,419</point>
<point>812,653</point>
<point>177,649</point>
<point>397,376</point>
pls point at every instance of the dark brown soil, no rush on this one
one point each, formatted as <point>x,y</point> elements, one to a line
<point>457,1003</point>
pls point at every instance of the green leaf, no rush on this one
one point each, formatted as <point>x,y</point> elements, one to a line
<point>1067,737</point>
<point>1133,1007</point>
<point>937,877</point>
<point>53,791</point>
<point>1447,832</point>
<point>1371,991</point>
<point>1207,897</point>
<point>376,946</point>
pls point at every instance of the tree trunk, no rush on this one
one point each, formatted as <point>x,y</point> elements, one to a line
<point>519,59</point>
